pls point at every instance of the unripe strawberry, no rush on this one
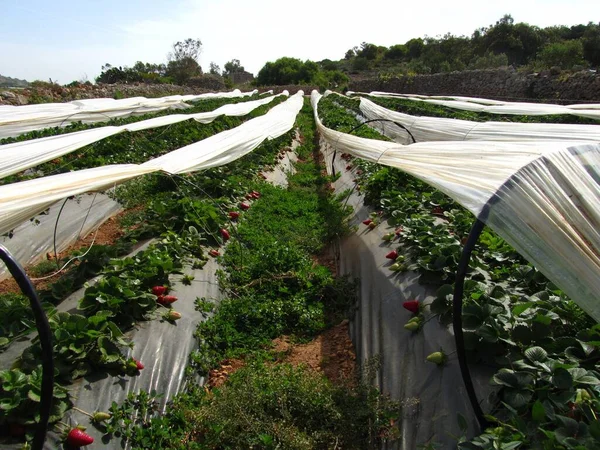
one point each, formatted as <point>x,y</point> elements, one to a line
<point>172,315</point>
<point>100,416</point>
<point>437,358</point>
<point>388,237</point>
<point>372,225</point>
<point>412,326</point>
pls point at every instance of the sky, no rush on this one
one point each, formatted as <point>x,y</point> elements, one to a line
<point>67,40</point>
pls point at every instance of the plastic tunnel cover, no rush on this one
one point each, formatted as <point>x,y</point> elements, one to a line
<point>22,155</point>
<point>557,197</point>
<point>80,216</point>
<point>426,129</point>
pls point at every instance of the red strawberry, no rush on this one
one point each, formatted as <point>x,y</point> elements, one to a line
<point>159,290</point>
<point>138,365</point>
<point>249,196</point>
<point>359,172</point>
<point>214,253</point>
<point>348,167</point>
<point>256,194</point>
<point>244,206</point>
<point>225,234</point>
<point>77,438</point>
<point>16,429</point>
<point>168,299</point>
<point>399,231</point>
<point>160,299</point>
<point>437,210</point>
<point>233,215</point>
<point>281,156</point>
<point>392,255</point>
<point>412,306</point>
<point>367,222</point>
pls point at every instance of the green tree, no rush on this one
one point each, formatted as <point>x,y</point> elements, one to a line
<point>215,69</point>
<point>591,44</point>
<point>232,66</point>
<point>183,60</point>
<point>565,54</point>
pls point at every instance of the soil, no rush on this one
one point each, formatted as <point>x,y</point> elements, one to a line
<point>331,353</point>
<point>107,234</point>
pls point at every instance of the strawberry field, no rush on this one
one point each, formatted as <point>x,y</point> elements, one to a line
<point>211,266</point>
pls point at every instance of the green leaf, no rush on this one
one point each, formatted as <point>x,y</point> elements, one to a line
<point>462,422</point>
<point>536,354</point>
<point>562,379</point>
<point>521,308</point>
<point>537,412</point>
<point>517,398</point>
<point>34,396</point>
<point>595,429</point>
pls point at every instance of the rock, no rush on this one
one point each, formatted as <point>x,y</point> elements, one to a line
<point>8,95</point>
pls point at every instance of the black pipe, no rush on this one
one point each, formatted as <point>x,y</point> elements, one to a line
<point>461,272</point>
<point>45,335</point>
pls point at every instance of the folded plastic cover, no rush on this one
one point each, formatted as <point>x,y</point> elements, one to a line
<point>16,120</point>
<point>591,111</point>
<point>22,155</point>
<point>543,197</point>
<point>440,129</point>
<point>21,201</point>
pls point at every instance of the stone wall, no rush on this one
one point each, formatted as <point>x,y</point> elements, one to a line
<point>501,84</point>
<point>51,93</point>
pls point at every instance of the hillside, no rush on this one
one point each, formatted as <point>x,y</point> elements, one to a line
<point>8,82</point>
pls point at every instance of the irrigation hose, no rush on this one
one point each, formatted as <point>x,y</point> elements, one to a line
<point>45,336</point>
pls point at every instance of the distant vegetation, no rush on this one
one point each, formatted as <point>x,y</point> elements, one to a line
<point>503,44</point>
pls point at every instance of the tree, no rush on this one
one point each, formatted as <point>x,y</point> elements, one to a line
<point>183,60</point>
<point>565,54</point>
<point>231,67</point>
<point>190,48</point>
<point>591,44</point>
<point>397,52</point>
<point>215,69</point>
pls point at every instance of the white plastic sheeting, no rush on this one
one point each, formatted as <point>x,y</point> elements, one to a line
<point>22,155</point>
<point>591,111</point>
<point>17,120</point>
<point>544,196</point>
<point>20,201</point>
<point>439,129</point>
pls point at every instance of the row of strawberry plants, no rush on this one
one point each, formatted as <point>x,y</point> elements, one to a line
<point>92,339</point>
<point>543,345</point>
<point>273,287</point>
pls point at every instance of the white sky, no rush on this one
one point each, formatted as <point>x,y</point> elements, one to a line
<point>68,40</point>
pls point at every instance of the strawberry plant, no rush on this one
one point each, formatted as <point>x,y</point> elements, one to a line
<point>20,397</point>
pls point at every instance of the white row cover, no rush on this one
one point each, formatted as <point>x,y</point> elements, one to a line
<point>17,120</point>
<point>21,201</point>
<point>591,111</point>
<point>21,155</point>
<point>439,129</point>
<point>545,197</point>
